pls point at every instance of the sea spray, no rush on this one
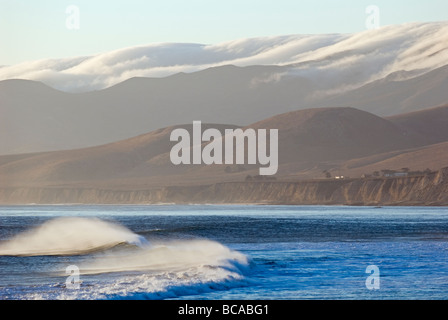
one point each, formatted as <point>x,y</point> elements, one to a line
<point>70,236</point>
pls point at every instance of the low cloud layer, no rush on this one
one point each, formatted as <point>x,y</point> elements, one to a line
<point>335,61</point>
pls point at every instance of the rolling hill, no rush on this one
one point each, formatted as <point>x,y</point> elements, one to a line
<point>311,140</point>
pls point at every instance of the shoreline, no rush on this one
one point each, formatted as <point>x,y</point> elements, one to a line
<point>4,205</point>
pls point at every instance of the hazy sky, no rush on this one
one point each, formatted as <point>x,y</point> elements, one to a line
<point>31,29</point>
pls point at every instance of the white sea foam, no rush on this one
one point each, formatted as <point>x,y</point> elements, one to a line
<point>164,270</point>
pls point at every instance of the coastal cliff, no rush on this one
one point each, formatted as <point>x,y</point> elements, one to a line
<point>429,189</point>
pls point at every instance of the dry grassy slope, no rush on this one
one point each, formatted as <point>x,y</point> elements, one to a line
<point>429,126</point>
<point>433,157</point>
<point>125,159</point>
<point>328,134</point>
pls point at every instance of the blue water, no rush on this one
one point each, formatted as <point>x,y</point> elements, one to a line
<point>223,252</point>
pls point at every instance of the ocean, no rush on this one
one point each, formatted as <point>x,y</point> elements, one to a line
<point>223,252</point>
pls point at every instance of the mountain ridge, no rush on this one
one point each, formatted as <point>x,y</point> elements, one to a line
<point>44,119</point>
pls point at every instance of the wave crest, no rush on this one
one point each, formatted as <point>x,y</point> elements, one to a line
<point>169,256</point>
<point>70,236</point>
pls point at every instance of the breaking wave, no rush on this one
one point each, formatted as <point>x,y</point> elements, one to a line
<point>133,269</point>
